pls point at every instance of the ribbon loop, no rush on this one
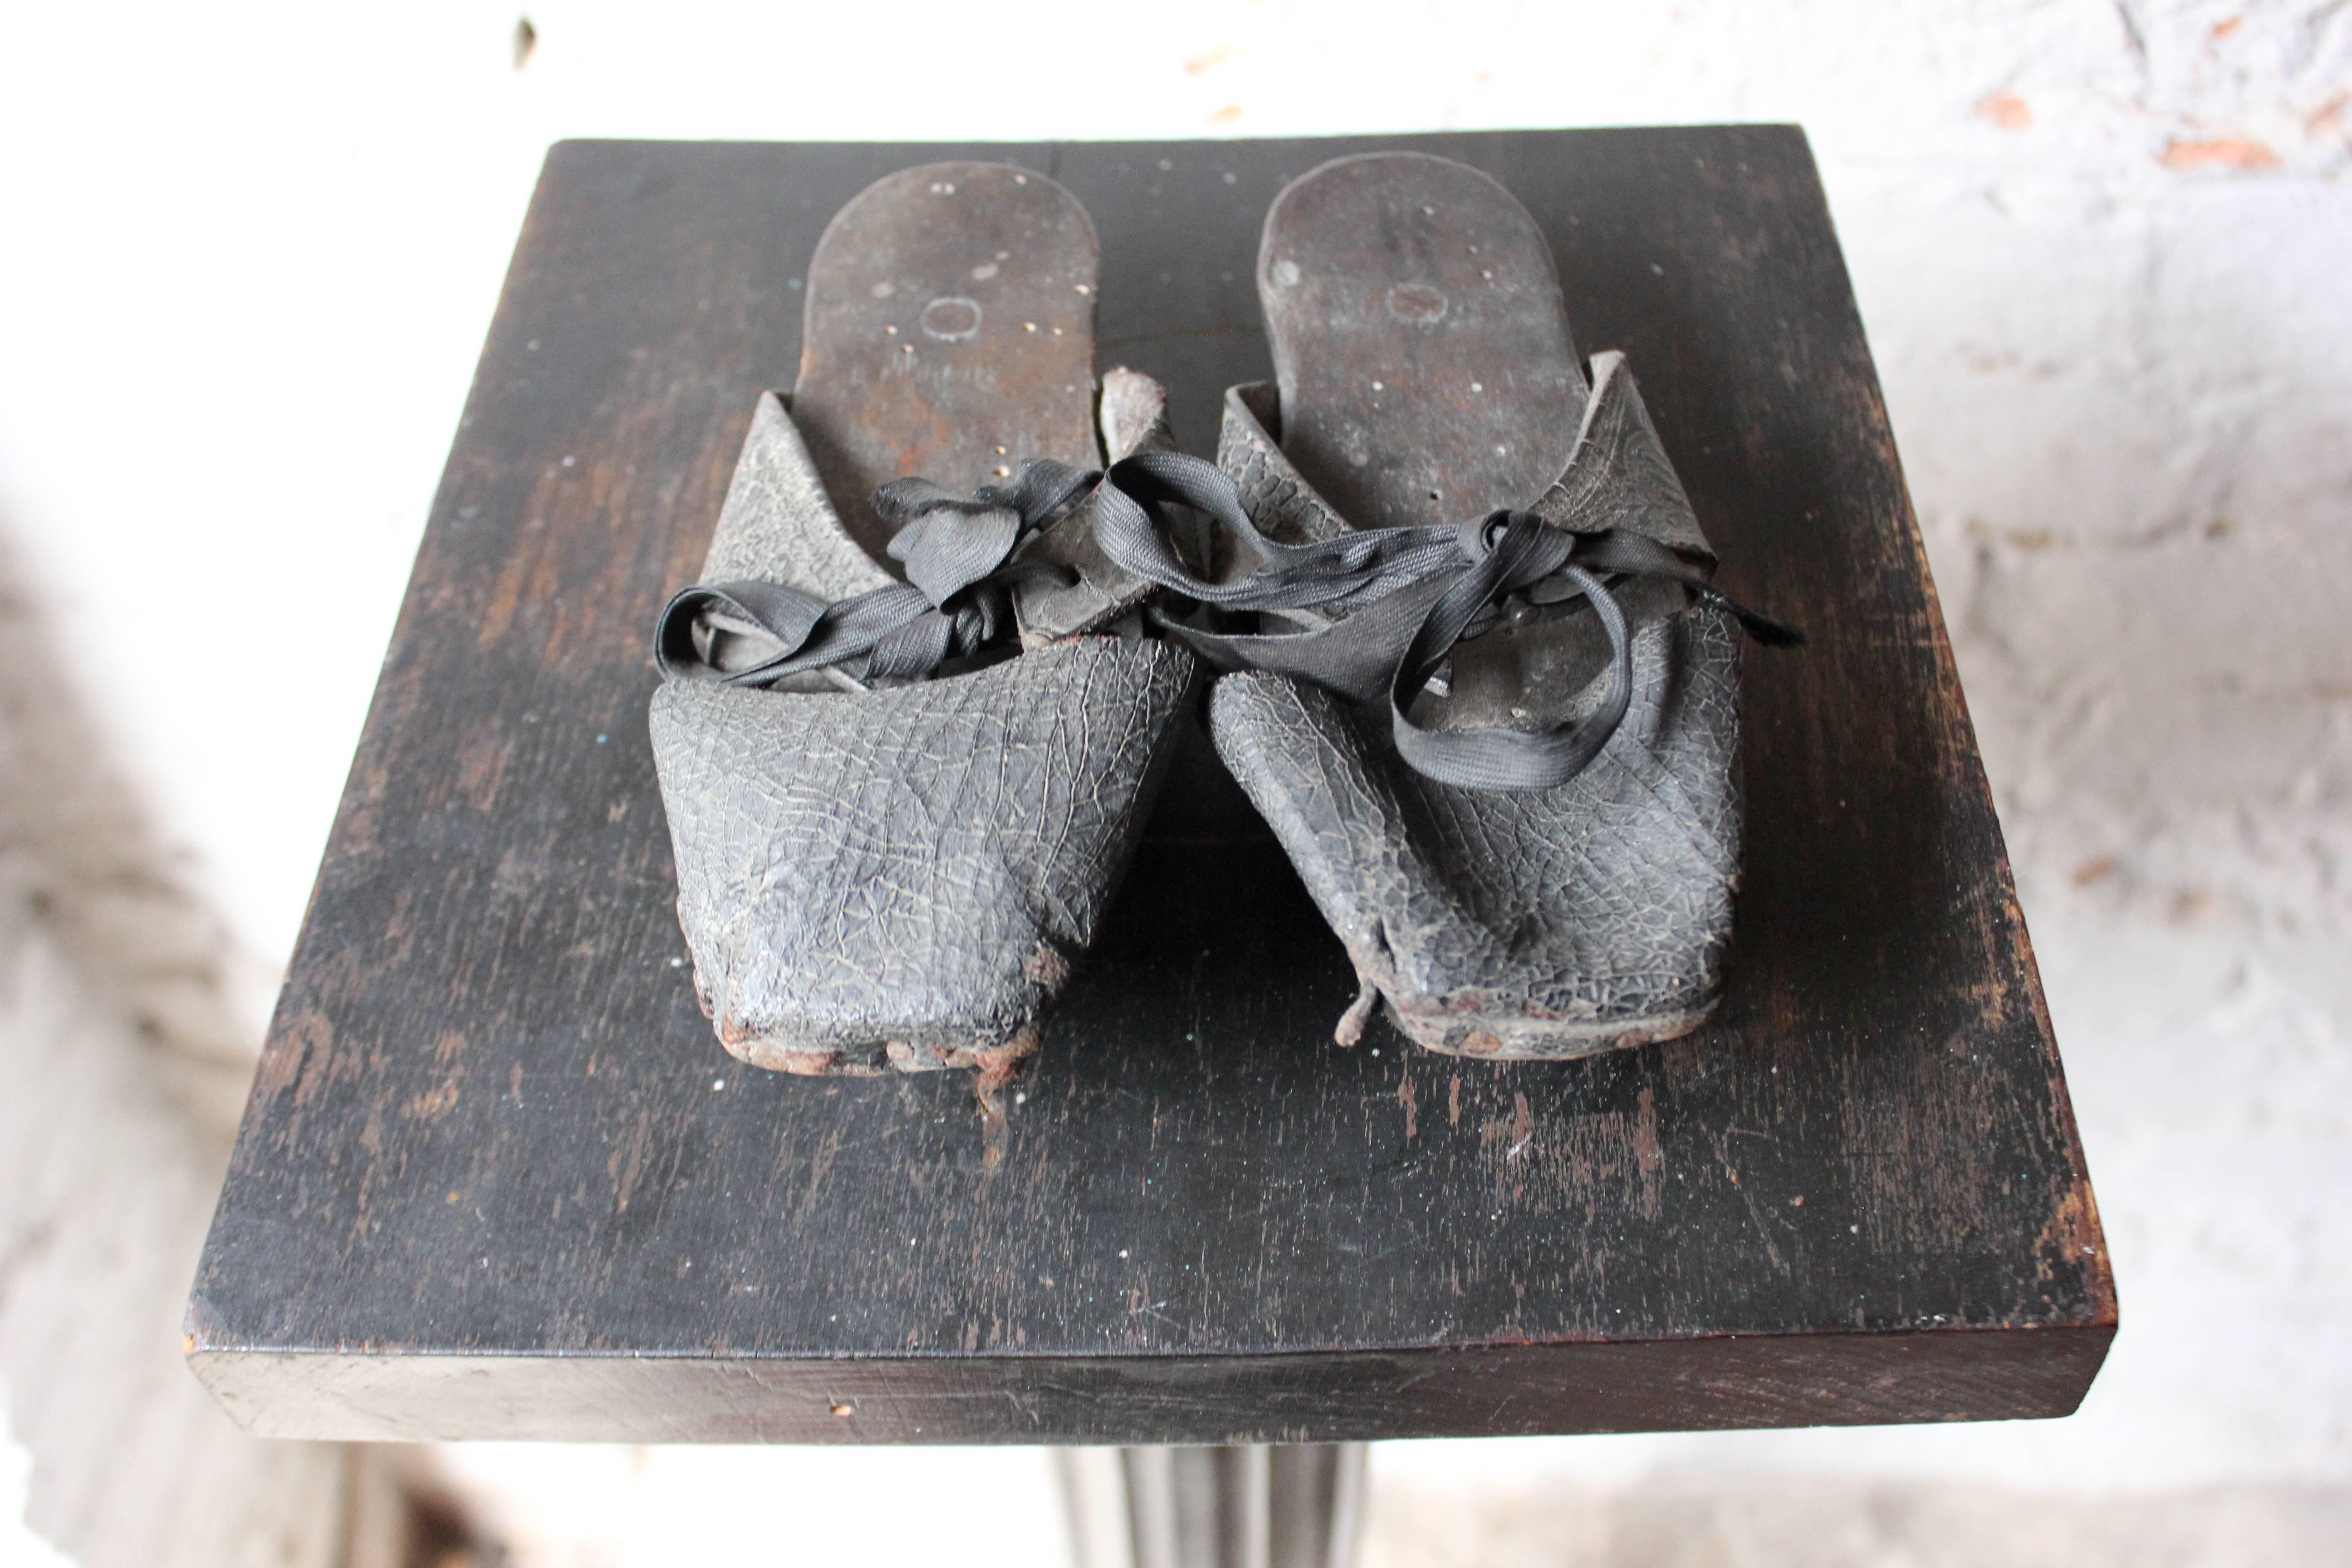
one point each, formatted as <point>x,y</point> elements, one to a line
<point>1380,610</point>
<point>958,553</point>
<point>1390,606</point>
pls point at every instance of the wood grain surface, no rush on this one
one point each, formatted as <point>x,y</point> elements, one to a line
<point>497,1179</point>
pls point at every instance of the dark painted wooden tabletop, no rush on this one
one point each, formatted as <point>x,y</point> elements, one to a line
<point>497,1179</point>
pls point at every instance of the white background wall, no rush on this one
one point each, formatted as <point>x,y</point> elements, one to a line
<point>247,254</point>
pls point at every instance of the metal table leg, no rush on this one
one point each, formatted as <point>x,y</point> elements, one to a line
<point>1258,1505</point>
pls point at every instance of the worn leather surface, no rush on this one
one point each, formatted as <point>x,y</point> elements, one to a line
<point>1132,415</point>
<point>907,873</point>
<point>1249,450</point>
<point>1412,310</point>
<point>777,524</point>
<point>949,332</point>
<point>903,876</point>
<point>1517,923</point>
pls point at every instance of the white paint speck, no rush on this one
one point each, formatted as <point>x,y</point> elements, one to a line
<point>717,1084</point>
<point>983,272</point>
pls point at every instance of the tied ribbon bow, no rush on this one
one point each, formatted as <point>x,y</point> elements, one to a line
<point>1408,596</point>
<point>958,553</point>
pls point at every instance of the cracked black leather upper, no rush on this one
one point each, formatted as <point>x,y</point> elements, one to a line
<point>918,866</point>
<point>1516,923</point>
<point>900,877</point>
